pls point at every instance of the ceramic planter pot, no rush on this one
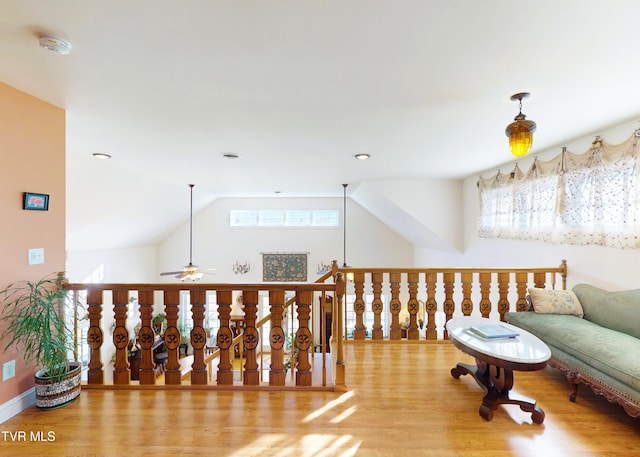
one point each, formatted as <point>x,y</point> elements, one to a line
<point>50,395</point>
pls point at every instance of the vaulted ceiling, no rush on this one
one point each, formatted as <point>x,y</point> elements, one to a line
<point>296,88</point>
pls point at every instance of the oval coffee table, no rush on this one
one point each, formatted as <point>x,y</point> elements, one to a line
<point>496,360</point>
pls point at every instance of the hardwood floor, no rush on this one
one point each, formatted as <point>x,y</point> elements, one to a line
<point>401,401</point>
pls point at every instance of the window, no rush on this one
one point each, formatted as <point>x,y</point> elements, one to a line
<point>284,218</point>
<point>592,198</point>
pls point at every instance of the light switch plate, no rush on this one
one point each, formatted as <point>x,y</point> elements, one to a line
<point>8,370</point>
<point>36,256</point>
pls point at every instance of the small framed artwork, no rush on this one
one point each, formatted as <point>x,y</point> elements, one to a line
<point>37,202</point>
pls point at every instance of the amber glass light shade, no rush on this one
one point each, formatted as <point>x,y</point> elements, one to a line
<point>520,133</point>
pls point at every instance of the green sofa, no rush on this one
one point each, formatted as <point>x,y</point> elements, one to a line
<point>601,349</point>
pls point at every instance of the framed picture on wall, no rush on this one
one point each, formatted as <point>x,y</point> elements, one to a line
<point>36,202</point>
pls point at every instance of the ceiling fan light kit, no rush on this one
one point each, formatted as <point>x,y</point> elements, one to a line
<point>520,131</point>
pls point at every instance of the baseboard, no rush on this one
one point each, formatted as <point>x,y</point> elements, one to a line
<point>17,404</point>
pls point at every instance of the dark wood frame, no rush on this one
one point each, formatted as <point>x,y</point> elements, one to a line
<point>28,205</point>
<point>575,377</point>
<point>495,376</point>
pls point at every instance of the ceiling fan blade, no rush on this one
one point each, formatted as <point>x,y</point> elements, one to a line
<point>167,273</point>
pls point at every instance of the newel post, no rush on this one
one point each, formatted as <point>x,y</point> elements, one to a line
<point>337,335</point>
<point>563,273</point>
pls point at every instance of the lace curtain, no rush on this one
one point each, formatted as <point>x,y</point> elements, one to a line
<point>589,198</point>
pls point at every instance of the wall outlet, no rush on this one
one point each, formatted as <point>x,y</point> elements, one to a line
<point>8,370</point>
<point>36,256</point>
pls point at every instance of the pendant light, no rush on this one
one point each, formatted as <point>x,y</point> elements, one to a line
<point>520,131</point>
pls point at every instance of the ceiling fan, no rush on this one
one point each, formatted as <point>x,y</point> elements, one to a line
<point>190,272</point>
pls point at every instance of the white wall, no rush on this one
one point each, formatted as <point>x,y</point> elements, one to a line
<point>217,245</point>
<point>129,265</point>
<point>424,211</point>
<point>609,268</point>
<point>370,242</point>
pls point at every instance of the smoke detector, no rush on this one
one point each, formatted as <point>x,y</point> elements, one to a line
<point>55,44</point>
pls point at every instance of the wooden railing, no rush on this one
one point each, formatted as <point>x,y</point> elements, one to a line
<point>362,299</point>
<point>434,295</point>
<point>166,297</point>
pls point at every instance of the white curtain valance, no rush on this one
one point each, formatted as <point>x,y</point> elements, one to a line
<point>588,198</point>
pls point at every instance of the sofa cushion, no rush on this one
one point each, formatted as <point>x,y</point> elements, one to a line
<point>614,310</point>
<point>548,301</point>
<point>613,353</point>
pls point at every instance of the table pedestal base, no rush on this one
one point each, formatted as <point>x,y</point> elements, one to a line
<point>497,382</point>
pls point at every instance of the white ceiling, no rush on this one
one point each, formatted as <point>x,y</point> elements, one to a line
<point>296,88</point>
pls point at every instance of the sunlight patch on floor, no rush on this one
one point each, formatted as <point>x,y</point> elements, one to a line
<point>545,439</point>
<point>332,404</point>
<point>312,445</point>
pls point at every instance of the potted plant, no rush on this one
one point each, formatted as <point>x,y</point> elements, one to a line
<point>36,326</point>
<point>158,322</point>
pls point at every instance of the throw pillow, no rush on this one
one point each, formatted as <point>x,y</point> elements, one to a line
<point>555,302</point>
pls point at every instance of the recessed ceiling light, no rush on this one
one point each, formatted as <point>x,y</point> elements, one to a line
<point>230,155</point>
<point>101,155</point>
<point>362,156</point>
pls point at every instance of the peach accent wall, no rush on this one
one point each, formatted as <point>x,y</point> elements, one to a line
<point>32,158</point>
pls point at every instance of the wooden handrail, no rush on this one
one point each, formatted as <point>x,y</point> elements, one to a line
<point>435,290</point>
<point>430,295</point>
<point>200,371</point>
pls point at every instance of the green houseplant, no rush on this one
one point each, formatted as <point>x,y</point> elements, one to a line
<point>36,326</point>
<point>158,322</point>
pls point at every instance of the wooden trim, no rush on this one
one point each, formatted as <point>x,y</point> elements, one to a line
<point>576,377</point>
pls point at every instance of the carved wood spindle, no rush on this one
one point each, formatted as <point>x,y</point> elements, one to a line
<point>224,338</point>
<point>172,375</point>
<point>539,279</point>
<point>521,287</point>
<point>121,336</point>
<point>485,290</point>
<point>304,299</point>
<point>277,339</point>
<point>412,306</point>
<point>503,292</point>
<point>395,306</point>
<point>251,338</point>
<point>448,304</point>
<point>360,330</point>
<point>146,337</point>
<point>198,337</point>
<point>431,305</point>
<point>467,304</point>
<point>95,336</point>
<point>377,306</point>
